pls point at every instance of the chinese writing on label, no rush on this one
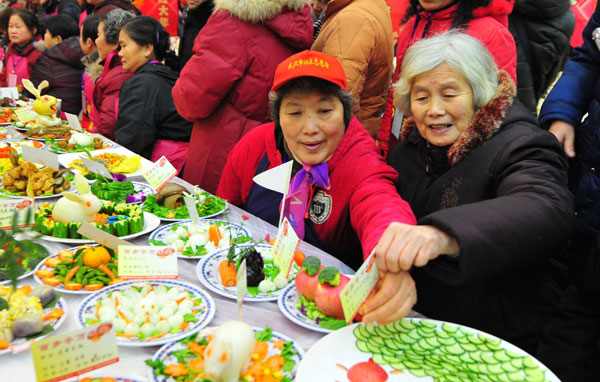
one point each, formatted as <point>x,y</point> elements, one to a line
<point>147,262</point>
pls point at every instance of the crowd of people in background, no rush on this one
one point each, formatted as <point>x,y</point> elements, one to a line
<point>419,140</point>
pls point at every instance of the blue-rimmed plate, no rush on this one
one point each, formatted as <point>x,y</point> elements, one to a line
<point>205,311</point>
<point>232,231</point>
<point>109,379</point>
<point>165,354</point>
<point>207,271</point>
<point>23,344</point>
<point>287,304</point>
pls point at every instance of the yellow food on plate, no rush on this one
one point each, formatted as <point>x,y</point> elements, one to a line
<point>5,164</point>
<point>115,163</point>
<point>127,165</point>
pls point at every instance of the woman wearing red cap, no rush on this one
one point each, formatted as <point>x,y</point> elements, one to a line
<point>344,192</point>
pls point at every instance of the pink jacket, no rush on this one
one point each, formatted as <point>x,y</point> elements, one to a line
<point>362,199</point>
<point>21,64</point>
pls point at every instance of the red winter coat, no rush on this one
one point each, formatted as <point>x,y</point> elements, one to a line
<point>362,197</point>
<point>106,95</point>
<point>489,25</point>
<point>22,64</point>
<point>224,87</point>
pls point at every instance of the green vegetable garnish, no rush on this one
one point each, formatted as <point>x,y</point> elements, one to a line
<point>329,275</point>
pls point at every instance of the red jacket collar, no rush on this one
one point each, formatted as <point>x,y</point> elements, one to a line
<point>498,9</point>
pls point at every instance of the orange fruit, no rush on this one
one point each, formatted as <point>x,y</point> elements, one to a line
<point>95,256</point>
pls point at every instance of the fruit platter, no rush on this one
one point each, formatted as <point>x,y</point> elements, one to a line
<point>79,270</point>
<point>218,272</point>
<point>168,203</point>
<point>231,352</point>
<point>414,349</point>
<point>79,142</point>
<point>25,264</point>
<point>27,314</point>
<point>149,313</point>
<point>313,300</point>
<point>195,241</point>
<point>43,182</point>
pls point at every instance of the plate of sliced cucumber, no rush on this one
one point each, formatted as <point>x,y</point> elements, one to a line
<point>418,350</point>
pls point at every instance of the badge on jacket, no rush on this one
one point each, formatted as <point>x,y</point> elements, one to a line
<point>320,208</point>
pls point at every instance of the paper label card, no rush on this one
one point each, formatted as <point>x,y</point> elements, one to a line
<point>160,173</point>
<point>359,287</point>
<point>101,237</point>
<point>286,245</point>
<point>40,156</point>
<point>147,262</point>
<point>26,114</point>
<point>73,122</point>
<point>96,167</point>
<point>190,203</point>
<point>242,286</point>
<point>9,208</point>
<point>67,355</point>
<point>12,92</point>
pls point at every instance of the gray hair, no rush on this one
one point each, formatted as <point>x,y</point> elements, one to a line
<point>463,53</point>
<point>113,21</point>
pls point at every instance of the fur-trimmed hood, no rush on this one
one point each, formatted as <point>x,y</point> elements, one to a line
<point>486,122</point>
<point>255,11</point>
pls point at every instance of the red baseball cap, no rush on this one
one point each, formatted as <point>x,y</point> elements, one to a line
<point>310,63</point>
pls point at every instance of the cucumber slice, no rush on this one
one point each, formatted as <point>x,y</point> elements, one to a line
<point>392,359</point>
<point>398,366</point>
<point>392,344</point>
<point>488,358</point>
<point>516,377</point>
<point>535,371</point>
<point>473,367</point>
<point>419,373</point>
<point>501,356</point>
<point>370,328</point>
<point>378,359</point>
<point>454,349</point>
<point>373,348</point>
<point>432,364</point>
<point>361,333</point>
<point>382,331</point>
<point>424,332</point>
<point>417,348</point>
<point>466,358</point>
<point>377,340</point>
<point>503,378</point>
<point>447,341</point>
<point>468,347</point>
<point>404,337</point>
<point>474,339</point>
<point>362,346</point>
<point>476,357</point>
<point>509,367</point>
<point>455,360</point>
<point>483,347</point>
<point>529,363</point>
<point>388,351</point>
<point>406,324</point>
<point>425,345</point>
<point>428,324</point>
<point>495,369</point>
<point>462,339</point>
<point>539,377</point>
<point>449,328</point>
<point>433,342</point>
<point>413,356</point>
<point>513,354</point>
<point>517,362</point>
<point>414,334</point>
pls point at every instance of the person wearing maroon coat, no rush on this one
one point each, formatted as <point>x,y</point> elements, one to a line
<point>224,87</point>
<point>61,64</point>
<point>108,85</point>
<point>346,190</point>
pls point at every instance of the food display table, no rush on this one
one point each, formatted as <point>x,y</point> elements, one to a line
<point>131,359</point>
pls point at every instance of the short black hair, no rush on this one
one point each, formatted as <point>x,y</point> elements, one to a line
<point>305,85</point>
<point>89,28</point>
<point>63,26</point>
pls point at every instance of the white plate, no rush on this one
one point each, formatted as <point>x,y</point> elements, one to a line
<point>235,231</point>
<point>138,187</point>
<point>2,196</point>
<point>164,354</point>
<point>65,159</point>
<point>207,271</point>
<point>60,288</point>
<point>18,144</point>
<point>150,224</point>
<point>327,358</point>
<point>287,304</point>
<point>62,304</point>
<point>201,217</point>
<point>86,310</point>
<point>107,142</point>
<point>28,273</point>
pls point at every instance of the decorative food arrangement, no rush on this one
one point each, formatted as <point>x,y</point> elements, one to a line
<point>25,264</point>
<point>44,182</point>
<point>168,203</point>
<point>63,219</point>
<point>61,131</point>
<point>231,352</point>
<point>195,241</point>
<point>114,163</point>
<point>18,145</point>
<point>44,105</point>
<point>218,272</point>
<point>82,269</point>
<point>410,348</point>
<point>7,115</point>
<point>313,301</point>
<point>26,313</point>
<point>78,142</point>
<point>151,313</point>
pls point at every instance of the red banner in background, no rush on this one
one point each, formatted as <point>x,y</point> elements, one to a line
<point>165,11</point>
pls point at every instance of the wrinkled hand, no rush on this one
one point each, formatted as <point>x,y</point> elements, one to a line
<point>565,133</point>
<point>401,246</point>
<point>394,297</point>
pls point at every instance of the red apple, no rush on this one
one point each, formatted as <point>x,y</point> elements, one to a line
<point>327,295</point>
<point>306,278</point>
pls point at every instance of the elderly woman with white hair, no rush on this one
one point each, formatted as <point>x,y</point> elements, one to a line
<point>488,188</point>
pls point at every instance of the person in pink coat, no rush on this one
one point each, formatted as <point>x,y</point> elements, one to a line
<point>486,20</point>
<point>224,87</point>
